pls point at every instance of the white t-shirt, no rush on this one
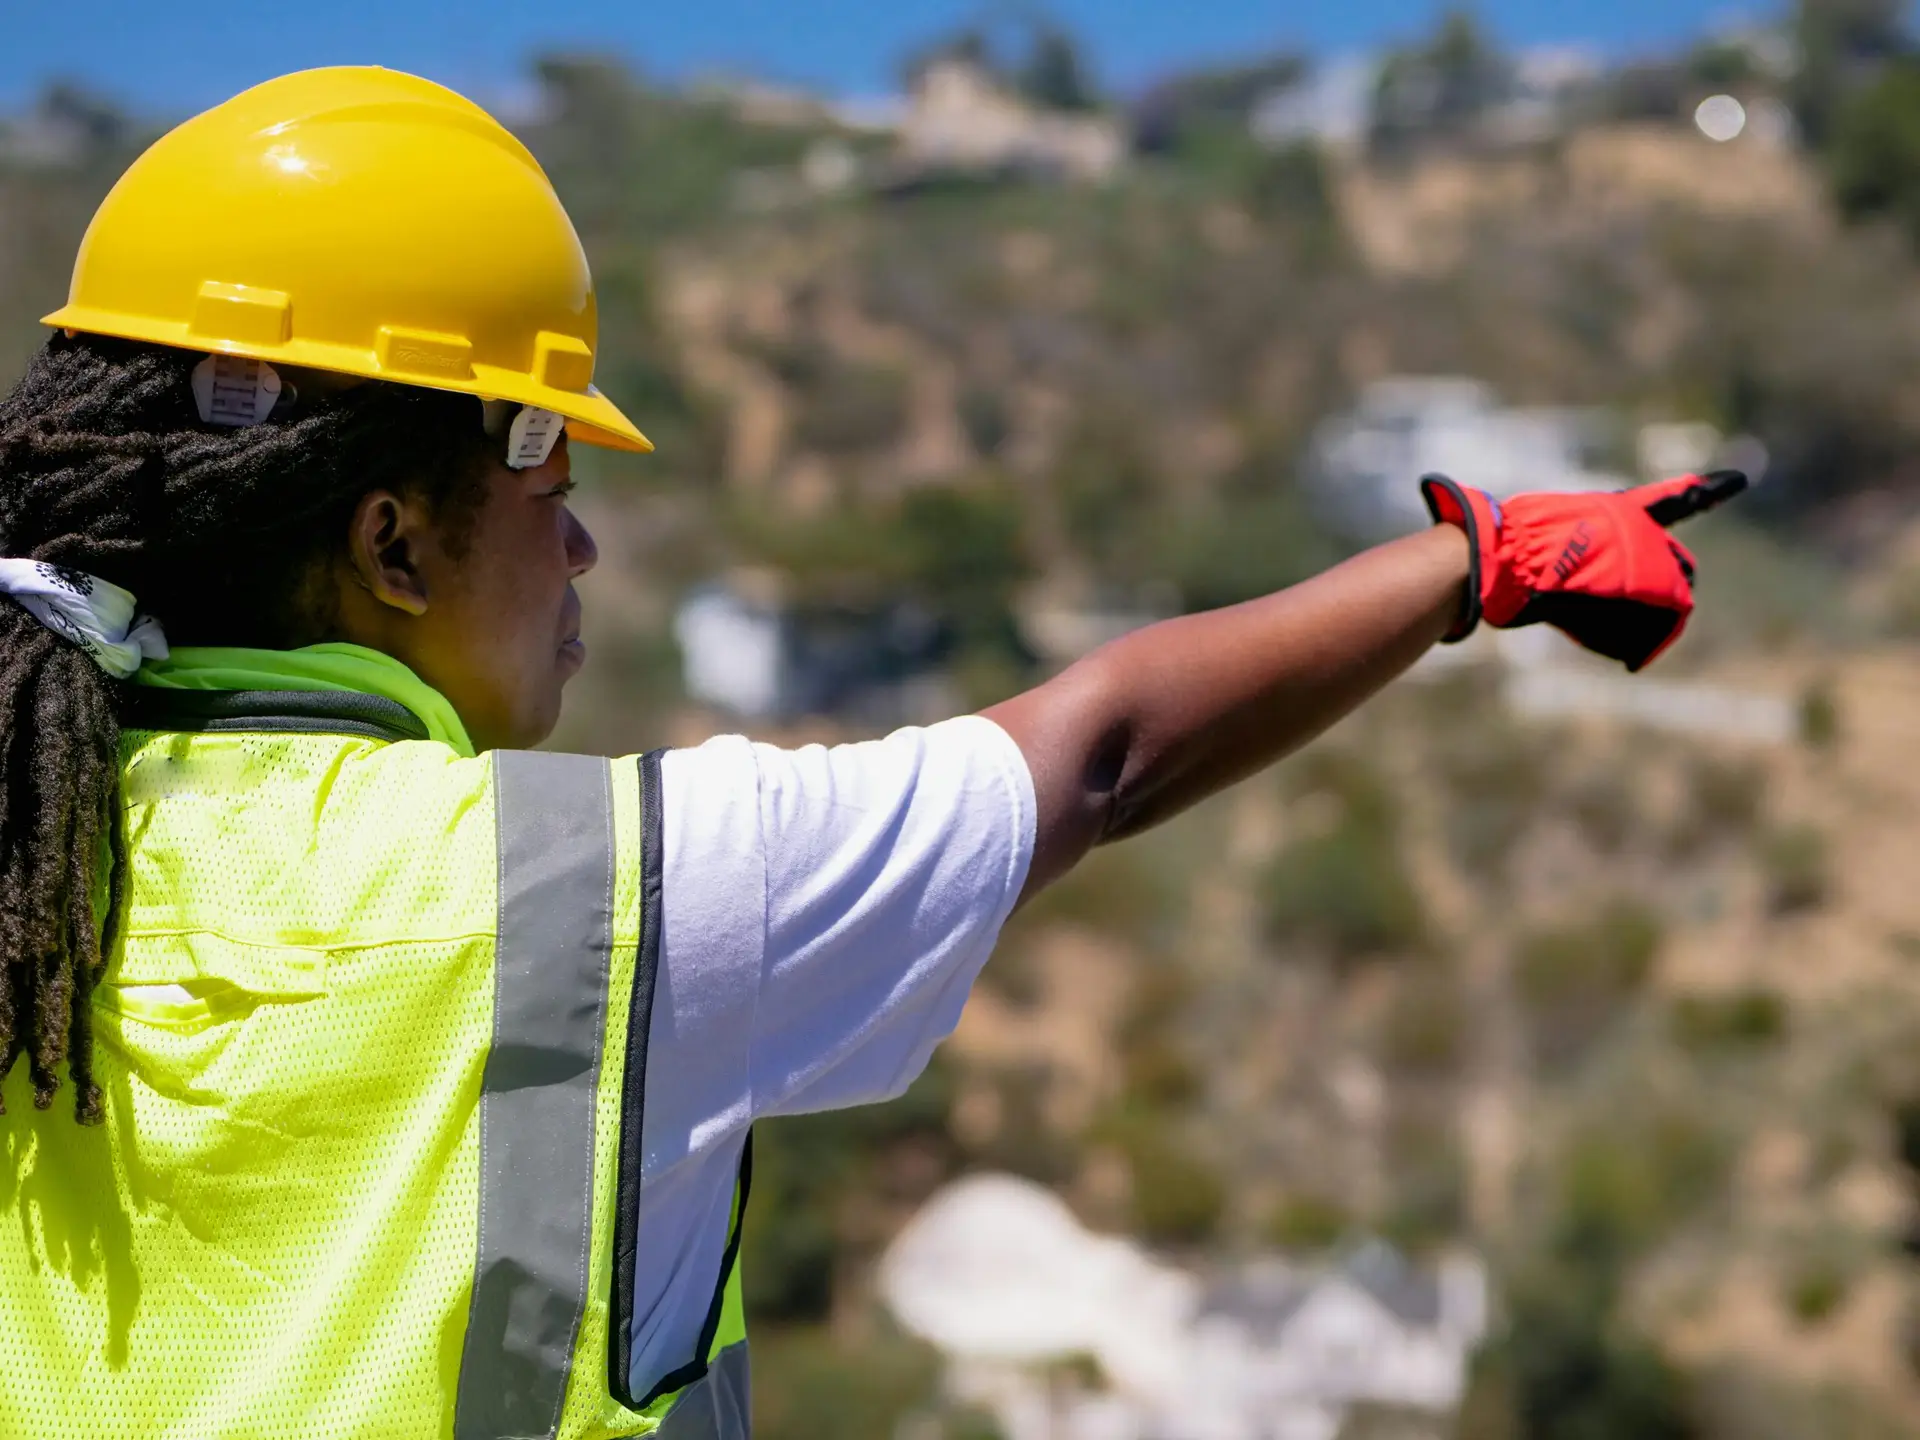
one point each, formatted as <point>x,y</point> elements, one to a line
<point>824,913</point>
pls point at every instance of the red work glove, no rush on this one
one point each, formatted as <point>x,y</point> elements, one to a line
<point>1600,567</point>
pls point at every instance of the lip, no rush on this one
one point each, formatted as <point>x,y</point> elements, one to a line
<point>574,652</point>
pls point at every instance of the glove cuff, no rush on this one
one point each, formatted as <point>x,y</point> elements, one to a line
<point>1451,503</point>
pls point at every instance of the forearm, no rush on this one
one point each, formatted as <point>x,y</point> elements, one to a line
<point>1168,715</point>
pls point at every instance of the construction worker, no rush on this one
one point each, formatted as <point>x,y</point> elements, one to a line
<point>415,1071</point>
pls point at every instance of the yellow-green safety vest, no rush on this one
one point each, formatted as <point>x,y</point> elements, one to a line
<point>373,1044</point>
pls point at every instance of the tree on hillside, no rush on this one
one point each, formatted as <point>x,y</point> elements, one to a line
<point>1842,44</point>
<point>1564,1368</point>
<point>93,122</point>
<point>1440,89</point>
<point>1874,152</point>
<point>1023,48</point>
<point>1469,73</point>
<point>1211,100</point>
<point>1054,76</point>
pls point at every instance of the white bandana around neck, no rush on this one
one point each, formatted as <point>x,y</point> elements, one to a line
<point>90,612</point>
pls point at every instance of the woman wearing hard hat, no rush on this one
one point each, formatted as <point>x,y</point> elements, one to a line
<point>414,1072</point>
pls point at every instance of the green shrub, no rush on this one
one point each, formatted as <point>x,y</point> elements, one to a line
<point>1307,1222</point>
<point>1816,1288</point>
<point>1159,1071</point>
<point>1014,975</point>
<point>1178,1197</point>
<point>961,551</point>
<point>1606,809</point>
<point>1795,868</point>
<point>1874,156</point>
<point>1246,545</point>
<point>1427,1025</point>
<point>1564,1366</point>
<point>983,415</point>
<point>1906,1133</point>
<point>1160,1075</point>
<point>806,1168</point>
<point>1746,1019</point>
<point>1293,183</point>
<point>1346,890</point>
<point>1115,891</point>
<point>1573,979</point>
<point>1108,483</point>
<point>1427,1184</point>
<point>1819,716</point>
<point>1724,799</point>
<point>967,1424</point>
<point>1161,993</point>
<point>842,406</point>
<point>1496,774</point>
<point>1626,1183</point>
<point>869,1389</point>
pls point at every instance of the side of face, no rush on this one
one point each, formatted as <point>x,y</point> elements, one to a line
<point>483,608</point>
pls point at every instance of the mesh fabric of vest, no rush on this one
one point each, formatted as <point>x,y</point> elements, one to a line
<point>273,1234</point>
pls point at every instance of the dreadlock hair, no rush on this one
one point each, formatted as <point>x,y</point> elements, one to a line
<point>223,534</point>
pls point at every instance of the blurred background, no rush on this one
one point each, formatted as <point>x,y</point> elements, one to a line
<point>1533,1057</point>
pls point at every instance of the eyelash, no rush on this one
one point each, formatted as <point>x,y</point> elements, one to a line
<point>562,490</point>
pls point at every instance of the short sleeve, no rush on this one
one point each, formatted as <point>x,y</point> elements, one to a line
<point>824,912</point>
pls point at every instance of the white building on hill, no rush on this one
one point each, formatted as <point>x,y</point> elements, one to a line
<point>959,119</point>
<point>1029,1307</point>
<point>1364,466</point>
<point>1331,106</point>
<point>748,648</point>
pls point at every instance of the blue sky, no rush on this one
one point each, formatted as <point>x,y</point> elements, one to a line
<point>171,57</point>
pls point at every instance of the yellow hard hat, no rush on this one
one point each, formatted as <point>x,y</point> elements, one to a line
<point>357,220</point>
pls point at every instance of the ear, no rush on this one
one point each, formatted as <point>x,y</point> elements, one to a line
<point>385,542</point>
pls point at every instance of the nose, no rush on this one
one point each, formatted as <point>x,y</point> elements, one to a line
<point>582,553</point>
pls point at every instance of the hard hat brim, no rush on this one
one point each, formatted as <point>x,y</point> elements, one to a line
<point>591,417</point>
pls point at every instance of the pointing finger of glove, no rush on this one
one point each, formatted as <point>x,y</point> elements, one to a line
<point>1672,501</point>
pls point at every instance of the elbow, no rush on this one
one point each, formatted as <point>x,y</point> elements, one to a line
<point>1080,734</point>
<point>1107,737</point>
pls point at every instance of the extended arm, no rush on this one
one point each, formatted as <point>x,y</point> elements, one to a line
<point>1159,719</point>
<point>1164,717</point>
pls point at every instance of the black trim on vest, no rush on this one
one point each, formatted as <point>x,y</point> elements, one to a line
<point>633,1091</point>
<point>305,712</point>
<point>633,1096</point>
<point>744,1189</point>
<point>696,1369</point>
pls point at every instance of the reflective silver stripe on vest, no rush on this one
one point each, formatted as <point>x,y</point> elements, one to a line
<point>537,1099</point>
<point>714,1407</point>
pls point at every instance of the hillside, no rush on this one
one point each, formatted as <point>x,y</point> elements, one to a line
<point>1628,1010</point>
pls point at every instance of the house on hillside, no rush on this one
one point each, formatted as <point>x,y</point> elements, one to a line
<point>65,127</point>
<point>1546,87</point>
<point>1331,106</point>
<point>961,120</point>
<point>1369,1329</point>
<point>1363,467</point>
<point>1062,1334</point>
<point>749,648</point>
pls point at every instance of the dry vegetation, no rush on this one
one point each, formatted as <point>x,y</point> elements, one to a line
<point>1632,1013</point>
